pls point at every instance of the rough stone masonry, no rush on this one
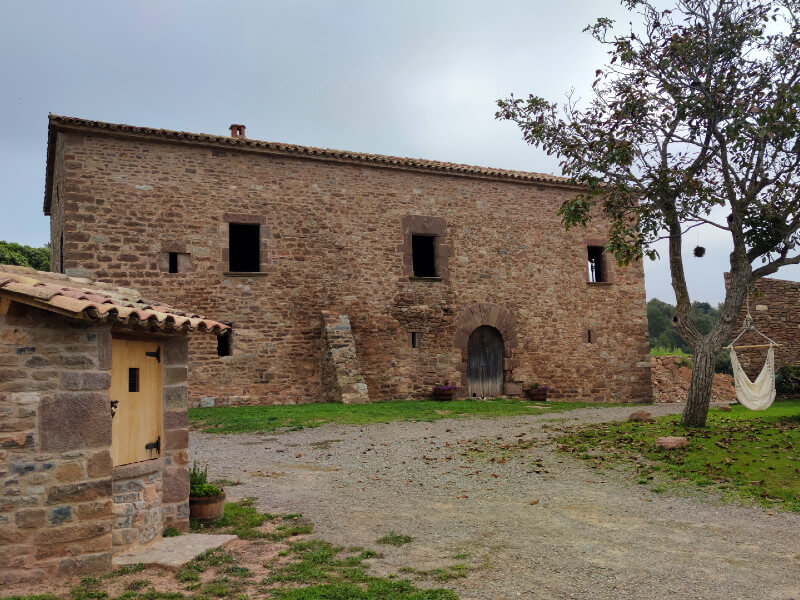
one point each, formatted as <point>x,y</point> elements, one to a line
<point>269,237</point>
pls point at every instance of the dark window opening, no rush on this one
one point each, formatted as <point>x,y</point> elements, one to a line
<point>133,380</point>
<point>244,247</point>
<point>415,339</point>
<point>589,336</point>
<point>424,258</point>
<point>596,270</point>
<point>173,262</point>
<point>225,344</point>
<point>61,254</point>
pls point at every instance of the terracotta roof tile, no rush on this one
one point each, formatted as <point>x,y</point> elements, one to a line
<point>73,123</point>
<point>82,299</point>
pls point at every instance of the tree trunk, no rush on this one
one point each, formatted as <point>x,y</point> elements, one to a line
<point>696,411</point>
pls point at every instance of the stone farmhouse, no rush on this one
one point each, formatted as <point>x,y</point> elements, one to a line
<point>346,276</point>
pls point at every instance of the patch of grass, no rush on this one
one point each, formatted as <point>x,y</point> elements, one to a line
<point>171,532</point>
<point>210,558</point>
<point>137,584</point>
<point>318,573</point>
<point>34,597</point>
<point>744,454</point>
<point>395,539</point>
<point>126,570</point>
<point>267,419</point>
<point>240,518</point>
<point>225,483</point>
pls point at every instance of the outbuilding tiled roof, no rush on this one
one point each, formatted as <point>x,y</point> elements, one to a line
<point>96,301</point>
<point>59,123</point>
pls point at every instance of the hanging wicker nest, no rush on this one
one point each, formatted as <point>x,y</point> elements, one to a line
<point>699,251</point>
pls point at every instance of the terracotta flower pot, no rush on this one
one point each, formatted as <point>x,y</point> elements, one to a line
<point>206,508</point>
<point>538,395</point>
<point>443,395</point>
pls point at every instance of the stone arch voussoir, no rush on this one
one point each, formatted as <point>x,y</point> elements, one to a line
<point>493,315</point>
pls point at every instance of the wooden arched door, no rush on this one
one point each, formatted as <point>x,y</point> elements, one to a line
<point>485,362</point>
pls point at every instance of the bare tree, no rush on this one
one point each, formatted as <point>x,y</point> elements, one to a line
<point>694,116</point>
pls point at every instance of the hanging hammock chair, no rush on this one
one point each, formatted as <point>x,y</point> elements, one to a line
<point>758,394</point>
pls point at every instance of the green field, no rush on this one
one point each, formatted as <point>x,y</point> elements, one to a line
<point>267,419</point>
<point>745,454</point>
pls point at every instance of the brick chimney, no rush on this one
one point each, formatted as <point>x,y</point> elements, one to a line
<point>237,131</point>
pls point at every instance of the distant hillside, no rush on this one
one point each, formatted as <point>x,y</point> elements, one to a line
<point>663,333</point>
<point>25,256</point>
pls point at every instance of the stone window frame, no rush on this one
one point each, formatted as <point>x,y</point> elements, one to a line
<point>503,320</point>
<point>265,262</point>
<point>435,227</point>
<point>184,258</point>
<point>607,266</point>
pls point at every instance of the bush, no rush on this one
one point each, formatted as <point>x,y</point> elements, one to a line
<point>198,476</point>
<point>25,256</point>
<point>787,380</point>
<point>722,363</point>
<point>204,489</point>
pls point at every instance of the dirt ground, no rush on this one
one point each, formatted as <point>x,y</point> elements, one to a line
<point>531,524</point>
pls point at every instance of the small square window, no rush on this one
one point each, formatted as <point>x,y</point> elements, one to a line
<point>244,248</point>
<point>596,264</point>
<point>423,255</point>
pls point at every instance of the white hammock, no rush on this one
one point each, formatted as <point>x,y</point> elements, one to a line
<point>758,394</point>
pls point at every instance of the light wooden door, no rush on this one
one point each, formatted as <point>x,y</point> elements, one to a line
<point>137,424</point>
<point>485,362</point>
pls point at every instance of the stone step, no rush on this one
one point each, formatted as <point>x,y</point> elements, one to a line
<point>173,552</point>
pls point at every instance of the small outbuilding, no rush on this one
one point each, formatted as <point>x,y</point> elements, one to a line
<point>93,423</point>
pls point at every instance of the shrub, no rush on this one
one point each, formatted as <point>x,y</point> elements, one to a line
<point>787,380</point>
<point>204,489</point>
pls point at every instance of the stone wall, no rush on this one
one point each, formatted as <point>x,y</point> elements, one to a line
<point>335,235</point>
<point>175,447</point>
<point>55,433</point>
<point>775,308</point>
<point>64,510</point>
<point>341,369</point>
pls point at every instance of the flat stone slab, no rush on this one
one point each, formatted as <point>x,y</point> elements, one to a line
<point>173,552</point>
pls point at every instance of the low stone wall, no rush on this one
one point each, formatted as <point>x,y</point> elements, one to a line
<point>775,308</point>
<point>55,433</point>
<point>137,504</point>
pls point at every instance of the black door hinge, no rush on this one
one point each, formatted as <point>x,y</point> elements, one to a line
<point>156,354</point>
<point>154,446</point>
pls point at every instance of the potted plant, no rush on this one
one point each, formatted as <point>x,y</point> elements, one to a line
<point>444,392</point>
<point>206,501</point>
<point>536,391</point>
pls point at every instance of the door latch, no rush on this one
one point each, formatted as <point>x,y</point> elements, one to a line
<point>114,404</point>
<point>156,354</point>
<point>154,446</point>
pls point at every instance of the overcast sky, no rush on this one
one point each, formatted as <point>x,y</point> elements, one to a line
<point>411,78</point>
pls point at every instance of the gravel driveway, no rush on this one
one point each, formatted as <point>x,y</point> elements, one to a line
<point>592,534</point>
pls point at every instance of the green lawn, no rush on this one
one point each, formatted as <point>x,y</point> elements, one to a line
<point>746,454</point>
<point>267,419</point>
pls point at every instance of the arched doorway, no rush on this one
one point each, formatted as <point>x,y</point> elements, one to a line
<point>485,362</point>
